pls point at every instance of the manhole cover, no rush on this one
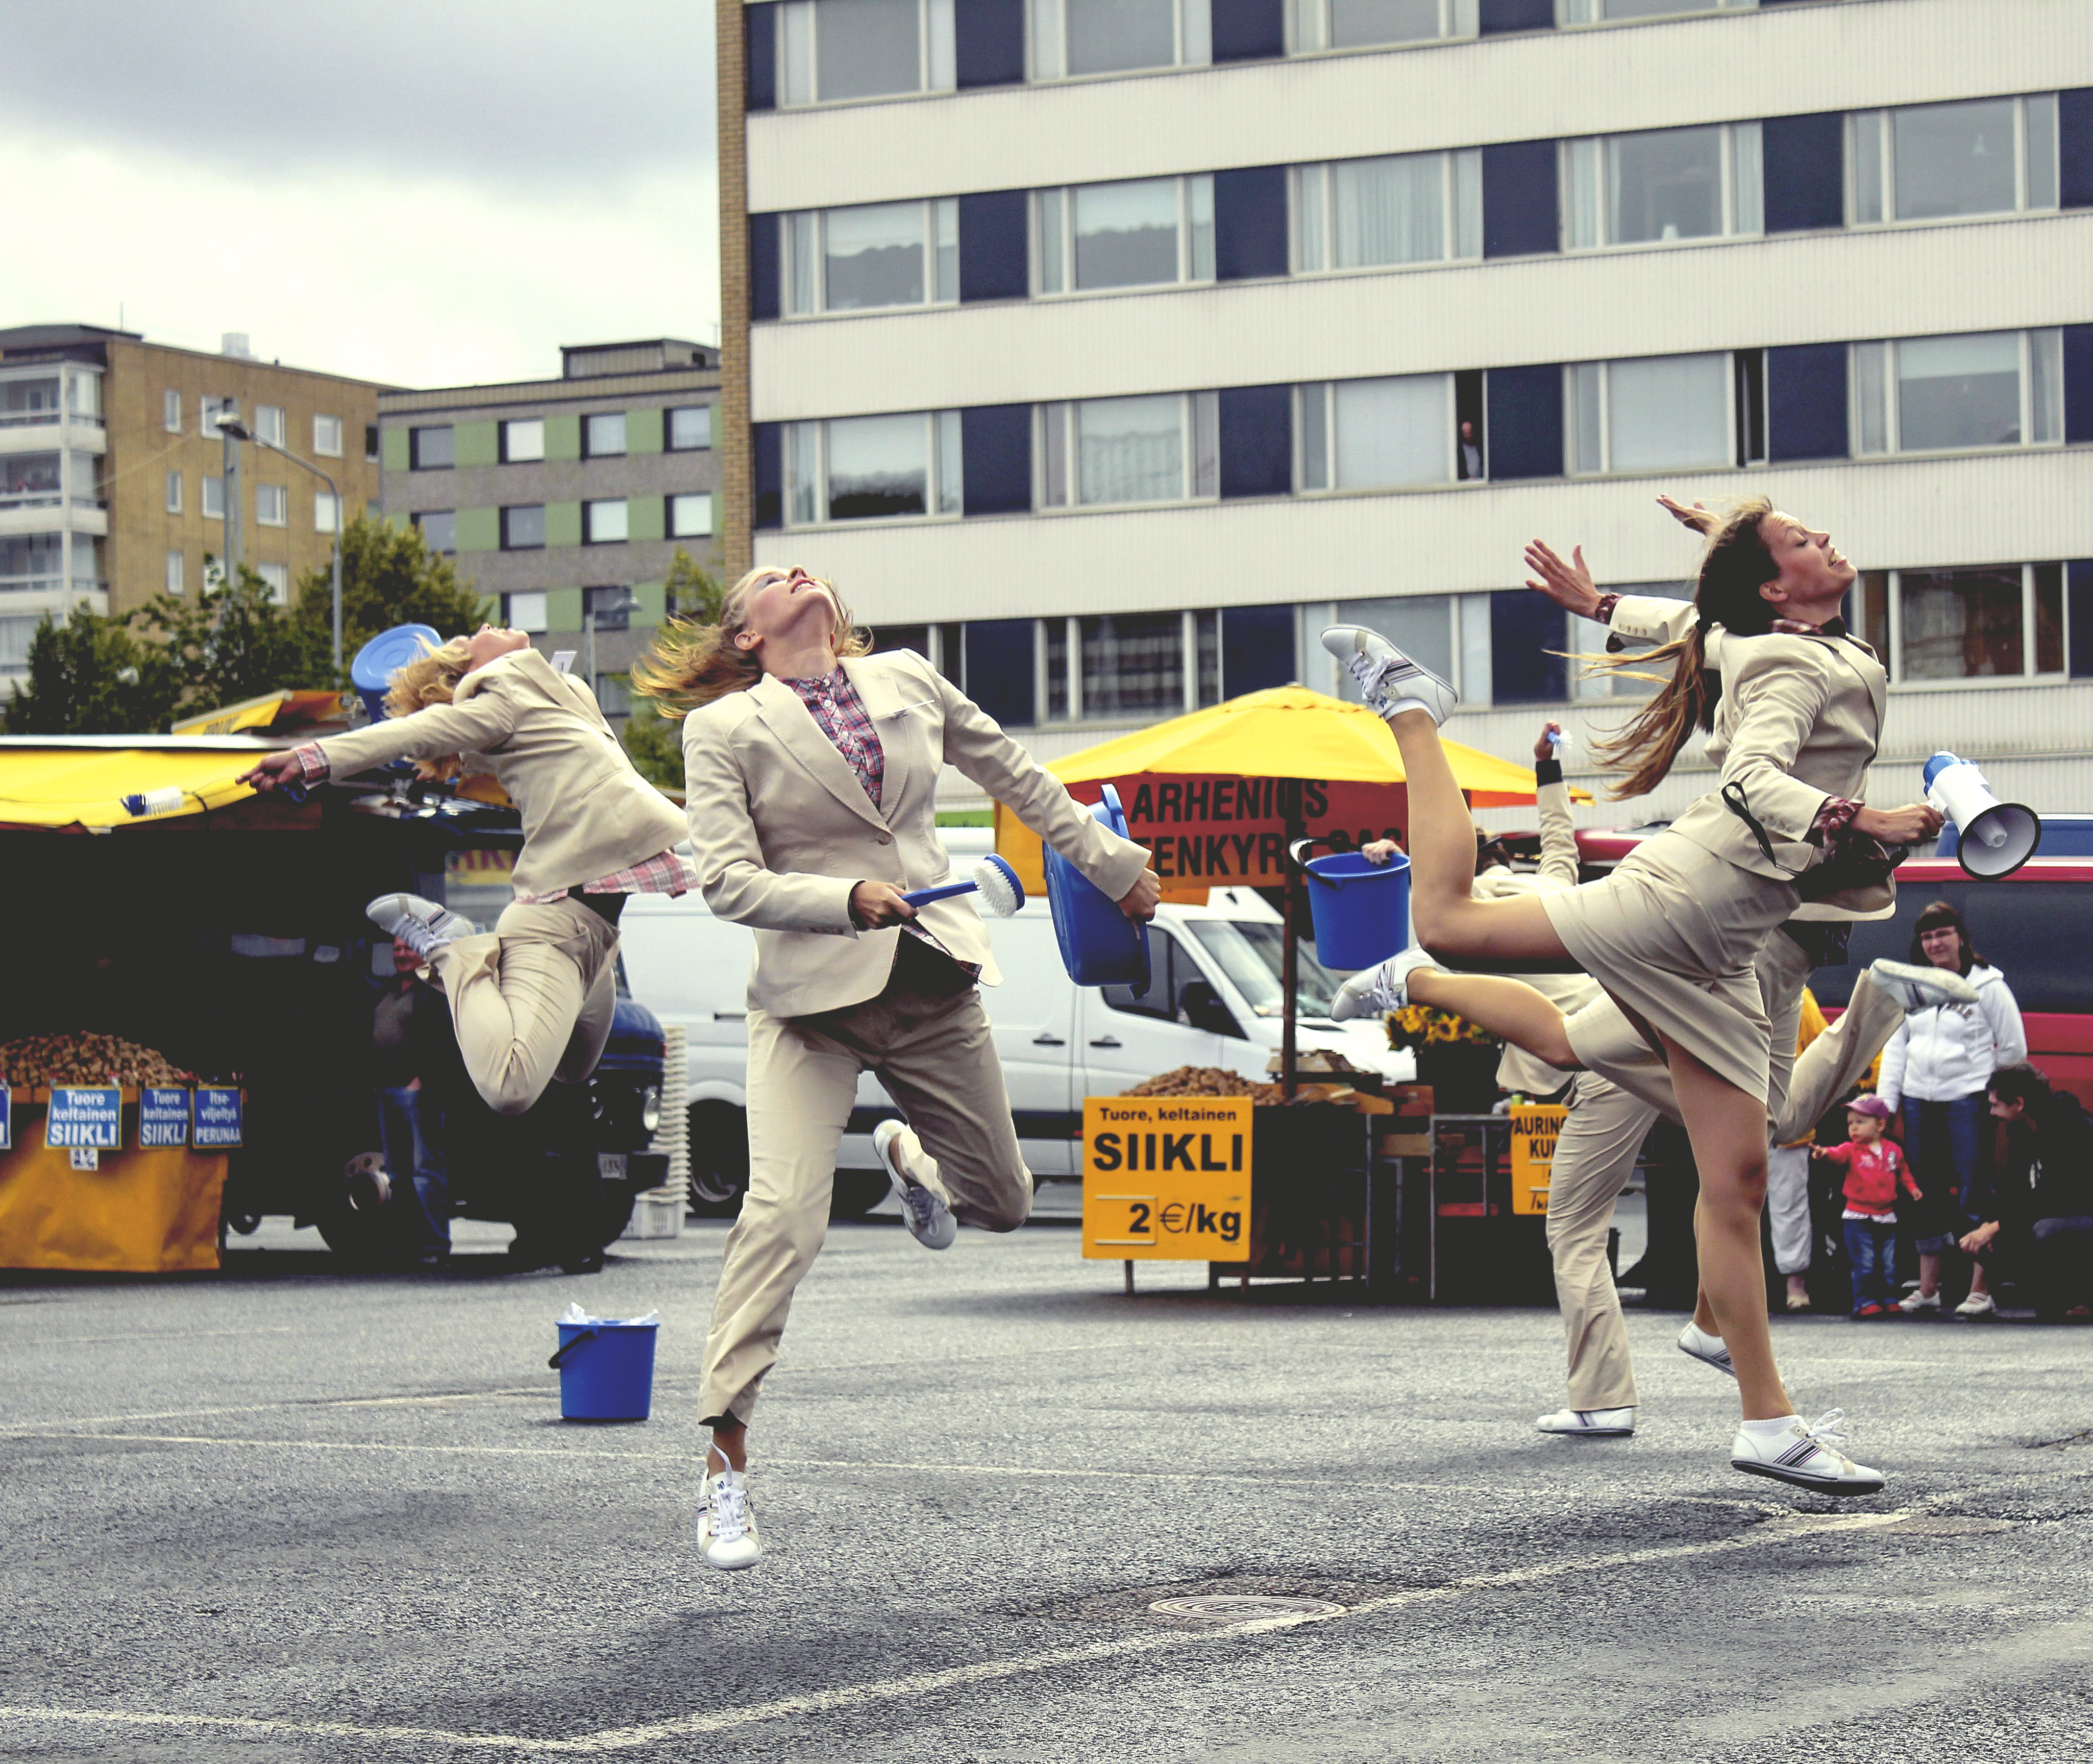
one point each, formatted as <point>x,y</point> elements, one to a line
<point>1243,1607</point>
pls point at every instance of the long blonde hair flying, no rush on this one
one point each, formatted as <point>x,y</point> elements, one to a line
<point>692,664</point>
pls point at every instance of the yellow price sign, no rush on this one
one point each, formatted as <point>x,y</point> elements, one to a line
<point>1166,1178</point>
<point>1534,1127</point>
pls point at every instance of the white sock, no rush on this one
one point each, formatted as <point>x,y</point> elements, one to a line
<point>1767,1429</point>
<point>1703,1334</point>
<point>1402,705</point>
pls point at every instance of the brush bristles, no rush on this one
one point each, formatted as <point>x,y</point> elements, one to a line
<point>998,893</point>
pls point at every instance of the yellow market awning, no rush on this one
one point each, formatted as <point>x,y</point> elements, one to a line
<point>83,783</point>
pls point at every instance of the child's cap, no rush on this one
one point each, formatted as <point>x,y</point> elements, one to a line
<point>1872,1106</point>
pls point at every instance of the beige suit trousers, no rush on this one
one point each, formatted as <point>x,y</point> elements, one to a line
<point>531,1001</point>
<point>930,1045</point>
<point>1595,1155</point>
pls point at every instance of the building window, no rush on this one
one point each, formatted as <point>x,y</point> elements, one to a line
<point>433,449</point>
<point>1376,434</point>
<point>32,480</point>
<point>1663,184</point>
<point>606,522</point>
<point>1931,162</point>
<point>523,440</point>
<point>276,577</point>
<point>883,254</point>
<point>1137,234</point>
<point>214,499</point>
<point>370,452</point>
<point>86,405</point>
<point>327,513</point>
<point>873,468</point>
<point>523,527</point>
<point>1319,24</point>
<point>830,50</point>
<point>174,492</point>
<point>1608,11</point>
<point>30,562</point>
<point>689,428</point>
<point>1658,413</point>
<point>525,611</point>
<point>327,436</point>
<point>26,401</point>
<point>614,694</point>
<point>691,517</point>
<point>1587,638</point>
<point>1998,389</point>
<point>174,572</point>
<point>2007,622</point>
<point>171,411</point>
<point>1133,665</point>
<point>1103,451</point>
<point>1407,208</point>
<point>269,424</point>
<point>272,505</point>
<point>611,608</point>
<point>438,530</point>
<point>209,410</point>
<point>1070,38</point>
<point>603,435</point>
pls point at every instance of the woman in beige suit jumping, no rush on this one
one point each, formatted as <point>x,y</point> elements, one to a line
<point>1793,720</point>
<point>811,772</point>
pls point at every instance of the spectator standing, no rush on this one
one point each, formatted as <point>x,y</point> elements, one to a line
<point>1875,1170</point>
<point>1788,1181</point>
<point>1937,1065</point>
<point>416,1073</point>
<point>2038,1217</point>
<point>1472,453</point>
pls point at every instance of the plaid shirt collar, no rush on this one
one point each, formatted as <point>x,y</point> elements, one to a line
<point>832,701</point>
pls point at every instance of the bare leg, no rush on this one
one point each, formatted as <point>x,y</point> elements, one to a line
<point>730,1447</point>
<point>1727,1127</point>
<point>1508,1008</point>
<point>1980,1281</point>
<point>1929,1276</point>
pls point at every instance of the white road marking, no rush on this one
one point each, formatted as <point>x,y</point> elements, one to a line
<point>171,1335</point>
<point>953,1678</point>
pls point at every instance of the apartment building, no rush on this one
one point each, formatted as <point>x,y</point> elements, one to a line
<point>1106,349</point>
<point>566,499</point>
<point>112,471</point>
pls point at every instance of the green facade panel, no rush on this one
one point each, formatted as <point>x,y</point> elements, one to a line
<point>563,437</point>
<point>644,518</point>
<point>719,497</point>
<point>563,523</point>
<point>653,599</point>
<point>393,449</point>
<point>563,610</point>
<point>476,444</point>
<point>642,431</point>
<point>713,407</point>
<point>479,529</point>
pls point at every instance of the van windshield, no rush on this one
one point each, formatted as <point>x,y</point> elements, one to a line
<point>1251,952</point>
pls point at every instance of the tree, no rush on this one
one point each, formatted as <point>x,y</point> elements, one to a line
<point>656,743</point>
<point>234,642</point>
<point>92,675</point>
<point>389,577</point>
<point>694,591</point>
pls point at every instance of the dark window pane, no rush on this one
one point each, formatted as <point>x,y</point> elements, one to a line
<point>2079,573</point>
<point>993,245</point>
<point>2075,147</point>
<point>1257,648</point>
<point>1806,414</point>
<point>989,41</point>
<point>1959,624</point>
<point>2049,618</point>
<point>1519,199</point>
<point>2015,926</point>
<point>760,35</point>
<point>1249,223</point>
<point>770,473</point>
<point>1525,419</point>
<point>998,669</point>
<point>1158,997</point>
<point>1500,16</point>
<point>764,266</point>
<point>1527,635</point>
<point>1805,171</point>
<point>889,637</point>
<point>995,447</point>
<point>1133,665</point>
<point>1257,440</point>
<point>1249,30</point>
<point>2079,383</point>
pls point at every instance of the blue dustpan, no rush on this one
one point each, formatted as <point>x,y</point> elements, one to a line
<point>1100,945</point>
<point>378,660</point>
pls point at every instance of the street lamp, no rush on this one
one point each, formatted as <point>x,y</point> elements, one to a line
<point>625,606</point>
<point>240,431</point>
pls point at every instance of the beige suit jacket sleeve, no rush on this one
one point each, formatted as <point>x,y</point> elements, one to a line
<point>480,724</point>
<point>1650,618</point>
<point>729,855</point>
<point>1559,840</point>
<point>975,744</point>
<point>1781,687</point>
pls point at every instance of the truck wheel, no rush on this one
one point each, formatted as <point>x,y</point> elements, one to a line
<point>719,1159</point>
<point>857,1192</point>
<point>359,1240</point>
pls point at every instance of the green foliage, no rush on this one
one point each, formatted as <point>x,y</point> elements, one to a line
<point>92,676</point>
<point>966,817</point>
<point>388,577</point>
<point>695,592</point>
<point>656,745</point>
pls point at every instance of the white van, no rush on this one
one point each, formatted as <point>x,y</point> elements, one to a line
<point>1214,998</point>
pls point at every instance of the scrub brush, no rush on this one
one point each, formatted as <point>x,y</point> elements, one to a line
<point>1002,894</point>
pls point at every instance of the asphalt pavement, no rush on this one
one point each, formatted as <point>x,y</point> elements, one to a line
<point>285,1514</point>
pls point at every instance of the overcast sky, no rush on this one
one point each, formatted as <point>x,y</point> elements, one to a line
<point>424,192</point>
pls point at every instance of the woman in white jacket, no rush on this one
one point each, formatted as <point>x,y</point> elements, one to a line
<point>1937,1065</point>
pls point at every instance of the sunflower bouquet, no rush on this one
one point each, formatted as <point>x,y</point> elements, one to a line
<point>1419,1025</point>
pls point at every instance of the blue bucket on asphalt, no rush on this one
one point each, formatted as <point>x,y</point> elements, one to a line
<point>1362,909</point>
<point>378,659</point>
<point>1100,945</point>
<point>606,1370</point>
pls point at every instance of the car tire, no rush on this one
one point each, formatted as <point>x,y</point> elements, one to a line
<point>719,1159</point>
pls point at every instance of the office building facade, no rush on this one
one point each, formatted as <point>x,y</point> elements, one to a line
<point>565,500</point>
<point>1107,349</point>
<point>112,471</point>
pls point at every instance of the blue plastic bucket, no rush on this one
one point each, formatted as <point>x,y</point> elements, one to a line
<point>606,1371</point>
<point>1100,945</point>
<point>385,654</point>
<point>1362,909</point>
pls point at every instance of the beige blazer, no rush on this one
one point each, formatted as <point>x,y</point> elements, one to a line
<point>1799,721</point>
<point>586,813</point>
<point>782,830</point>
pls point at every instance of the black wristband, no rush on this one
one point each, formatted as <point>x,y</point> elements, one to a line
<point>1547,772</point>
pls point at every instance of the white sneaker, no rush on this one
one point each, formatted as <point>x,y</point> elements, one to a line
<point>931,1220</point>
<point>1388,680</point>
<point>1705,1348</point>
<point>422,926</point>
<point>726,1523</point>
<point>1920,989</point>
<point>1977,1305</point>
<point>1912,1303</point>
<point>1375,991</point>
<point>1590,1423</point>
<point>1805,1455</point>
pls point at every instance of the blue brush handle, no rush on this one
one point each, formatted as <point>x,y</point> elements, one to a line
<point>922,897</point>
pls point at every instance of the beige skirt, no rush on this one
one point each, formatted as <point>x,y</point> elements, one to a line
<point>1672,935</point>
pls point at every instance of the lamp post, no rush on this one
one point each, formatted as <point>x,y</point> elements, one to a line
<point>240,431</point>
<point>626,605</point>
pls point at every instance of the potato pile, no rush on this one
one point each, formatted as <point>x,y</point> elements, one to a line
<point>81,1058</point>
<point>1208,1081</point>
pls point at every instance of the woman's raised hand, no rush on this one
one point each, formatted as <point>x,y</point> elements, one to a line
<point>1907,825</point>
<point>1544,745</point>
<point>1567,584</point>
<point>1698,516</point>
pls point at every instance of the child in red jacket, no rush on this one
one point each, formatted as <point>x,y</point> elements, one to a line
<point>1875,1169</point>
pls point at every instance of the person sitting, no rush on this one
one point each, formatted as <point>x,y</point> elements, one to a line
<point>1875,1171</point>
<point>2038,1218</point>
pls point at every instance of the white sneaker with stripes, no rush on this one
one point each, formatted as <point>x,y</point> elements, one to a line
<point>1389,680</point>
<point>1590,1423</point>
<point>1803,1452</point>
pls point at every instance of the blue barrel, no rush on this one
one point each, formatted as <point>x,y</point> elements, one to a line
<point>606,1371</point>
<point>385,655</point>
<point>1100,945</point>
<point>1362,909</point>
